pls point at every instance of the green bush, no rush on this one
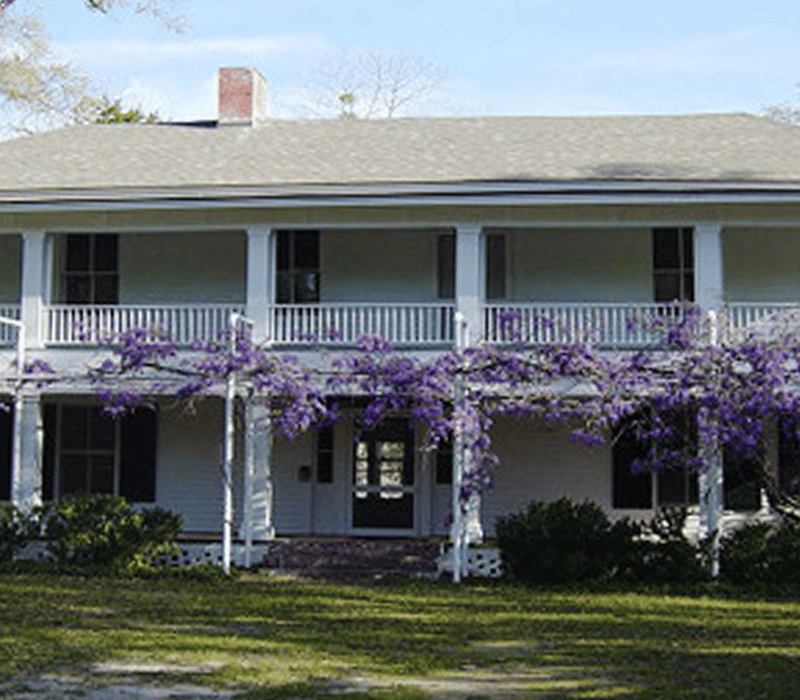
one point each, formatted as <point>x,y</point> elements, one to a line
<point>760,553</point>
<point>559,542</point>
<point>105,533</point>
<point>564,542</point>
<point>16,529</point>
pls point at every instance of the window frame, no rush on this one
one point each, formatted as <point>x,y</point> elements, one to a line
<point>93,272</point>
<point>682,272</point>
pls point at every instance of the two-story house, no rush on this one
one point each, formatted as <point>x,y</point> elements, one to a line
<point>387,227</point>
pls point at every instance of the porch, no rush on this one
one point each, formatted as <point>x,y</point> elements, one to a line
<point>613,325</point>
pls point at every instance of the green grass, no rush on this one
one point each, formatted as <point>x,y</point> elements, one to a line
<point>275,638</point>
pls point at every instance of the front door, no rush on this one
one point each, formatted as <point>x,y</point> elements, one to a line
<point>383,477</point>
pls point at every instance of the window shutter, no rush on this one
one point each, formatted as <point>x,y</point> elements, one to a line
<point>49,414</point>
<point>138,456</point>
<point>6,431</point>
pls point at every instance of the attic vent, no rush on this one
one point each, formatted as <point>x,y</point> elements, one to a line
<point>242,97</point>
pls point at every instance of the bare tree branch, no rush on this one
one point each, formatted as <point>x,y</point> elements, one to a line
<point>370,84</point>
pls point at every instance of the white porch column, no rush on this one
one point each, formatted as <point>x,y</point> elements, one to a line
<point>710,297</point>
<point>709,283</point>
<point>470,281</point>
<point>33,285</point>
<point>260,279</point>
<point>26,484</point>
<point>257,521</point>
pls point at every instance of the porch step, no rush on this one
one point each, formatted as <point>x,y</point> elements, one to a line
<point>352,558</point>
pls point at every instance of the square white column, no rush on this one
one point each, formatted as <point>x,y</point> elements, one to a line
<point>260,279</point>
<point>470,280</point>
<point>33,285</point>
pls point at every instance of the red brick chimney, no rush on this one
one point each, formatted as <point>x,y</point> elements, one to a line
<point>242,97</point>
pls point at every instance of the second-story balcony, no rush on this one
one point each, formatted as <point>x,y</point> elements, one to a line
<point>88,325</point>
<point>332,324</point>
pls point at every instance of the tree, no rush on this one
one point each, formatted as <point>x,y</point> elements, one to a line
<point>371,84</point>
<point>37,89</point>
<point>114,113</point>
<point>783,112</point>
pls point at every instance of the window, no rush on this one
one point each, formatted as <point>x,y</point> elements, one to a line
<point>789,459</point>
<point>325,455</point>
<point>446,265</point>
<point>87,452</point>
<point>495,266</point>
<point>298,276</point>
<point>673,487</point>
<point>673,264</point>
<point>90,273</point>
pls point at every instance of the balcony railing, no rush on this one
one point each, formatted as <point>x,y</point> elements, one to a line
<point>8,334</point>
<point>69,324</point>
<point>609,325</point>
<point>763,318</point>
<point>345,323</point>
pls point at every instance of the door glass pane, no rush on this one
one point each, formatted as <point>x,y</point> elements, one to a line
<point>105,289</point>
<point>446,265</point>
<point>101,430</point>
<point>495,266</point>
<point>390,467</point>
<point>306,249</point>
<point>666,287</point>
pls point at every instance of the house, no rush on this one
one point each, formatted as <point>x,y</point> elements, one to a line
<point>387,227</point>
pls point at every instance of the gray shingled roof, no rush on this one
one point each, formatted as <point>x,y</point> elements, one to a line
<point>713,147</point>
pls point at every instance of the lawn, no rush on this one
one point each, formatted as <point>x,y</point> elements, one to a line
<point>278,638</point>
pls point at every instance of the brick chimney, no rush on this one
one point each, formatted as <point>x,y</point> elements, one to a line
<point>242,97</point>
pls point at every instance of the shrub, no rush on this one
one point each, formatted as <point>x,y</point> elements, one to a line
<point>16,529</point>
<point>556,542</point>
<point>105,533</point>
<point>563,542</point>
<point>759,553</point>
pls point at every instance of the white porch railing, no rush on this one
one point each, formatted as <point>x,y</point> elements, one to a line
<point>8,334</point>
<point>615,325</point>
<point>344,323</point>
<point>767,317</point>
<point>69,324</point>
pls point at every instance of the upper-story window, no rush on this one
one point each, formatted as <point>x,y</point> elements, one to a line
<point>298,278</point>
<point>673,264</point>
<point>90,272</point>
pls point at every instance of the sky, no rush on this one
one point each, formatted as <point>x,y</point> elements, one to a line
<point>534,57</point>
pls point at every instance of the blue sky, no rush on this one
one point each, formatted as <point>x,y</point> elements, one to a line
<point>499,56</point>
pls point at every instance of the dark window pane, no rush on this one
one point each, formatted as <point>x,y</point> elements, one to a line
<point>495,266</point>
<point>666,253</point>
<point>666,287</point>
<point>101,476</point>
<point>676,487</point>
<point>78,258</point>
<point>105,252</point>
<point>74,473</point>
<point>283,293</point>
<point>284,250</point>
<point>688,247</point>
<point>446,265</point>
<point>101,430</point>
<point>106,289</point>
<point>306,250</point>
<point>306,287</point>
<point>78,289</point>
<point>325,438</point>
<point>788,459</point>
<point>374,511</point>
<point>6,432</point>
<point>138,443</point>
<point>74,428</point>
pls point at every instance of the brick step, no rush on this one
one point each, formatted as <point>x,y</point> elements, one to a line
<point>352,558</point>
